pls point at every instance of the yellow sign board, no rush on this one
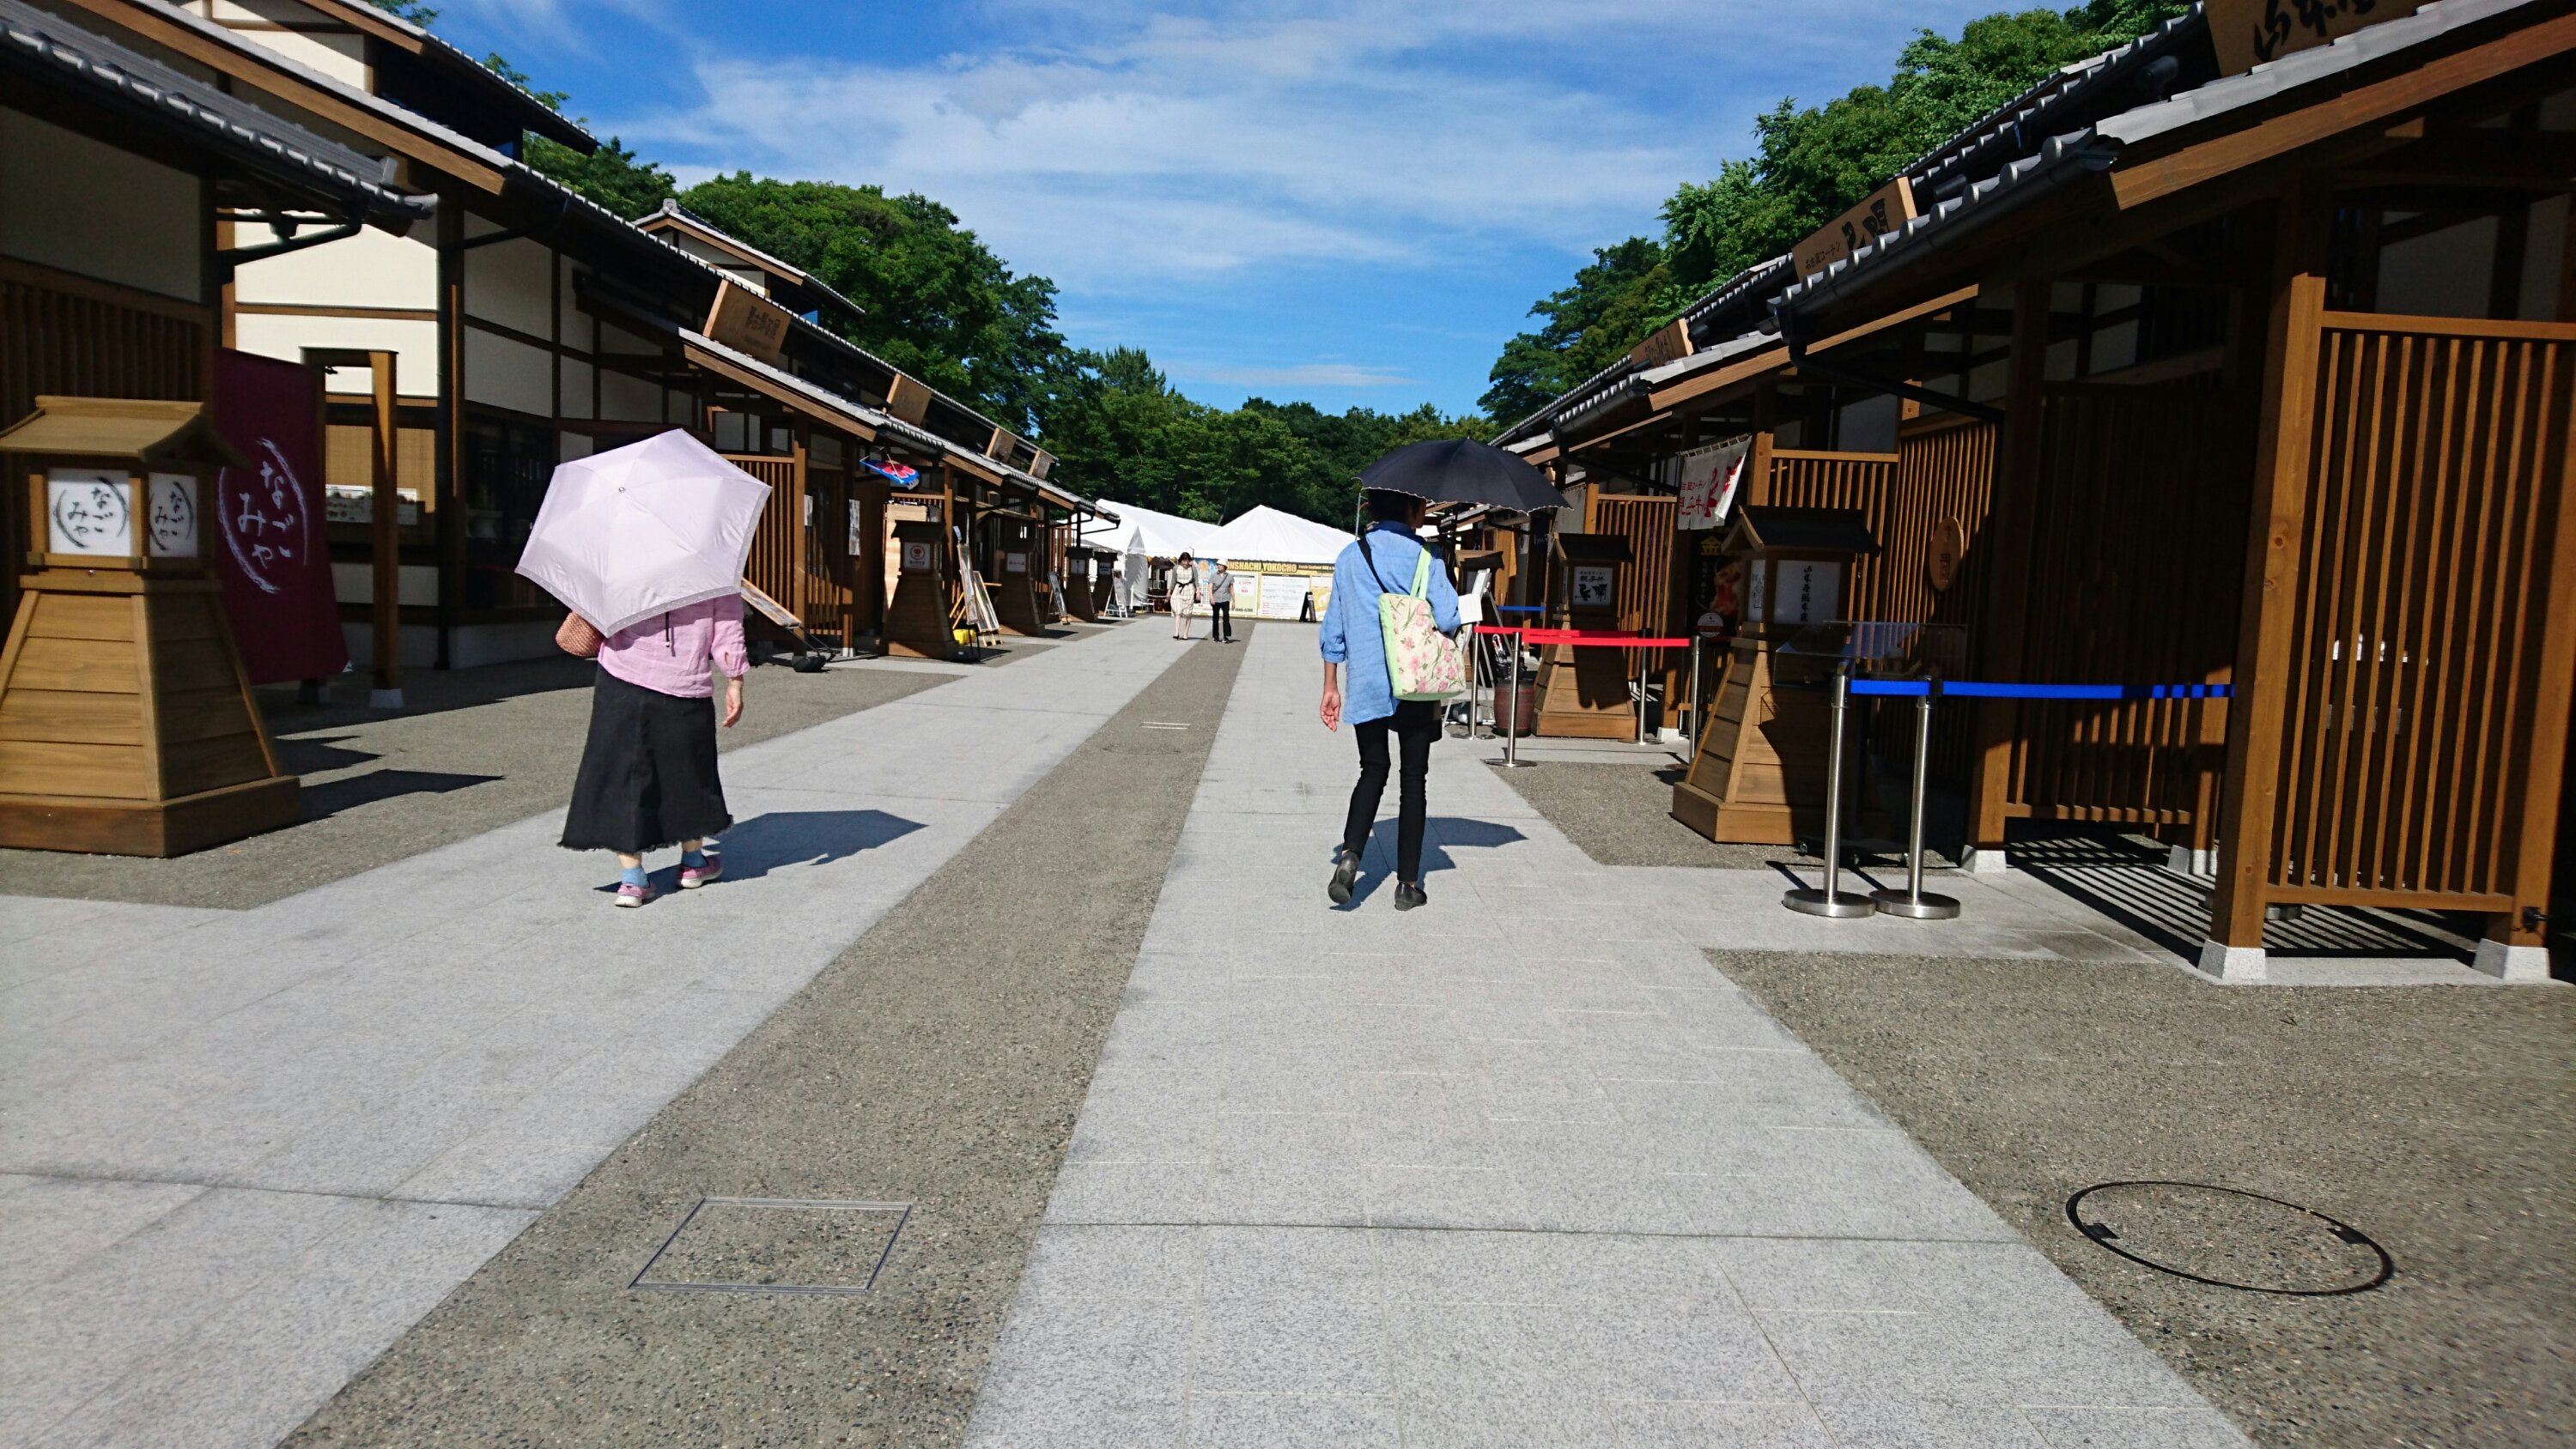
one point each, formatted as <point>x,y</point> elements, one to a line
<point>1881,212</point>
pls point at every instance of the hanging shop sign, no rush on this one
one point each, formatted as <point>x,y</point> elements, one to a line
<point>1948,545</point>
<point>1594,587</point>
<point>1668,343</point>
<point>748,322</point>
<point>2250,32</point>
<point>1881,212</point>
<point>1709,481</point>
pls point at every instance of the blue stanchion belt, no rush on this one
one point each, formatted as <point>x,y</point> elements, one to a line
<point>1983,689</point>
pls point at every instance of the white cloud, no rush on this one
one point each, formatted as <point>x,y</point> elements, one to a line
<point>1118,147</point>
<point>1304,374</point>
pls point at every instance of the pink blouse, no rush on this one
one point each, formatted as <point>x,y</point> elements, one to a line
<point>670,653</point>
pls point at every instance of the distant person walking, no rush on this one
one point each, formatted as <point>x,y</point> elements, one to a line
<point>1221,604</point>
<point>648,772</point>
<point>1380,561</point>
<point>1185,594</point>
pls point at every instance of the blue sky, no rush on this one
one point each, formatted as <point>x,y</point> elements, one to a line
<point>1345,203</point>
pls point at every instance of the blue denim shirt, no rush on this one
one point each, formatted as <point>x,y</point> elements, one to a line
<point>1351,637</point>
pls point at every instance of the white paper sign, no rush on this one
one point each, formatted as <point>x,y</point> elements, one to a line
<point>90,511</point>
<point>1015,563</point>
<point>916,557</point>
<point>1809,591</point>
<point>173,522</point>
<point>1595,587</point>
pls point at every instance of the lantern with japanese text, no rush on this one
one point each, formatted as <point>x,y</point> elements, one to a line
<point>127,724</point>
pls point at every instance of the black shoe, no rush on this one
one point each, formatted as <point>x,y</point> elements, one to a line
<point>1346,874</point>
<point>1408,895</point>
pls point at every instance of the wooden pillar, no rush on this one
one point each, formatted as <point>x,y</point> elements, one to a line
<point>447,467</point>
<point>2302,235</point>
<point>388,537</point>
<point>800,528</point>
<point>2010,529</point>
<point>2516,945</point>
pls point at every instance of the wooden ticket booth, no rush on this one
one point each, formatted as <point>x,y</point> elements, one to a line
<point>1587,693</point>
<point>1017,554</point>
<point>918,580</point>
<point>127,723</point>
<point>1758,775</point>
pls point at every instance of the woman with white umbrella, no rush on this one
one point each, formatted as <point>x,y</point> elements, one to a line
<point>646,544</point>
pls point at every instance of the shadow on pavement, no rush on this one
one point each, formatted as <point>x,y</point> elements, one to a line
<point>329,798</point>
<point>1439,832</point>
<point>806,837</point>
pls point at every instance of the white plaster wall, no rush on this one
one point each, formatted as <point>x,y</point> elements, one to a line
<point>511,283</point>
<point>414,343</point>
<point>84,206</point>
<point>577,387</point>
<point>628,399</point>
<point>612,339</point>
<point>341,57</point>
<point>372,269</point>
<point>508,374</point>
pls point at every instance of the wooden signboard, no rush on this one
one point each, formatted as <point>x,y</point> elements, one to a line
<point>1881,212</point>
<point>916,615</point>
<point>1039,465</point>
<point>748,322</point>
<point>907,399</point>
<point>1669,343</point>
<point>2250,32</point>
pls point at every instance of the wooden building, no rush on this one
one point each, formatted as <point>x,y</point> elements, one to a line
<point>2192,368</point>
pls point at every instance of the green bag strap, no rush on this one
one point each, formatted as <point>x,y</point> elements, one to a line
<point>1422,574</point>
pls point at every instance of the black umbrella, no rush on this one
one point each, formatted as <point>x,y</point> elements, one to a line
<point>1462,470</point>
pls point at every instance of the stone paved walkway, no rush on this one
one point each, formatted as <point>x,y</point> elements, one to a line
<point>241,1152</point>
<point>1521,1168</point>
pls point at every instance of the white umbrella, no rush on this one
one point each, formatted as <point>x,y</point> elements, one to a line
<point>626,534</point>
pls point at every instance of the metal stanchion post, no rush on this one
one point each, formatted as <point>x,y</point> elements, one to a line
<point>1641,694</point>
<point>1511,726</point>
<point>1833,900</point>
<point>1911,902</point>
<point>1696,706</point>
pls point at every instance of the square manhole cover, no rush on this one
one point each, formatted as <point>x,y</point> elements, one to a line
<point>776,1245</point>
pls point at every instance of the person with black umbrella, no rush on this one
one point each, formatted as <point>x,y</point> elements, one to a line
<point>1387,558</point>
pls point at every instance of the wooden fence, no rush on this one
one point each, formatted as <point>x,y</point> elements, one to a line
<point>2435,616</point>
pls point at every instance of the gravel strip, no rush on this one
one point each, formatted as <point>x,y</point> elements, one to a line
<point>2435,1119</point>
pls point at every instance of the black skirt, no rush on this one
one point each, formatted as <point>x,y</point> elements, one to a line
<point>648,773</point>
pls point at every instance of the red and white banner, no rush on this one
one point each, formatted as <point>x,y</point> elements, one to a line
<point>267,544</point>
<point>1710,478</point>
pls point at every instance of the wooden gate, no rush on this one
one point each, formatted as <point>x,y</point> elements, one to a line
<point>777,545</point>
<point>2136,564</point>
<point>2425,707</point>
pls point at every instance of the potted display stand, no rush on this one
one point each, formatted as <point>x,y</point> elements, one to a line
<point>127,724</point>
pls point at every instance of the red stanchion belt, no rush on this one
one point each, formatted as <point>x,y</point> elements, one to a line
<point>1600,638</point>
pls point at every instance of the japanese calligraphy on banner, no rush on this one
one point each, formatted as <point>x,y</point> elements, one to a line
<point>2250,32</point>
<point>1710,478</point>
<point>267,544</point>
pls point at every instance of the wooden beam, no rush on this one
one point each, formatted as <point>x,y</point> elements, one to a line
<point>2012,525</point>
<point>2423,84</point>
<point>795,398</point>
<point>250,65</point>
<point>2302,240</point>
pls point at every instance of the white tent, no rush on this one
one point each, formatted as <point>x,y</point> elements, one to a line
<point>1266,535</point>
<point>1140,536</point>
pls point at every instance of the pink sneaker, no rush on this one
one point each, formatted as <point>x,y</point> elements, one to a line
<point>633,895</point>
<point>694,876</point>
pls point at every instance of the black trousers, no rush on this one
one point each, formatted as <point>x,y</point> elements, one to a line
<point>1415,724</point>
<point>1221,620</point>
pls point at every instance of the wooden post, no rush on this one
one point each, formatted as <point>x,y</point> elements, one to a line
<point>388,537</point>
<point>2011,524</point>
<point>2302,235</point>
<point>2511,934</point>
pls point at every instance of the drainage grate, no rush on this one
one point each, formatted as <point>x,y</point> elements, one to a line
<point>2227,1238</point>
<point>776,1245</point>
<point>1165,724</point>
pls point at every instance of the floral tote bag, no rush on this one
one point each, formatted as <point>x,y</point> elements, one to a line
<point>1421,663</point>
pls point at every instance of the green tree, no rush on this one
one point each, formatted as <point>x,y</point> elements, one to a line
<point>411,10</point>
<point>1589,324</point>
<point>612,175</point>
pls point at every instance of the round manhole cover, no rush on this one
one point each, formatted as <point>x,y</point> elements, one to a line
<point>2229,1239</point>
